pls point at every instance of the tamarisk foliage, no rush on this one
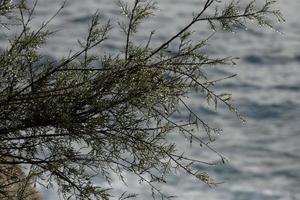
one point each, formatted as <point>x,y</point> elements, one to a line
<point>66,122</point>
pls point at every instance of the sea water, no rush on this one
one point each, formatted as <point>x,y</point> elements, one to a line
<point>264,153</point>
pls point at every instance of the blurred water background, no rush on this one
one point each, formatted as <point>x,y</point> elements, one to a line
<point>264,153</point>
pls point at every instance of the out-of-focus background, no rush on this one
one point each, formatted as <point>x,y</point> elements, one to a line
<point>264,153</point>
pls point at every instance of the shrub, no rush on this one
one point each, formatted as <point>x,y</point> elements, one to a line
<point>68,121</point>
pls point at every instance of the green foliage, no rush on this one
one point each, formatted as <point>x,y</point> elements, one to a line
<point>88,115</point>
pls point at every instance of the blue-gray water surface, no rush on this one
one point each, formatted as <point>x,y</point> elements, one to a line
<point>264,153</point>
